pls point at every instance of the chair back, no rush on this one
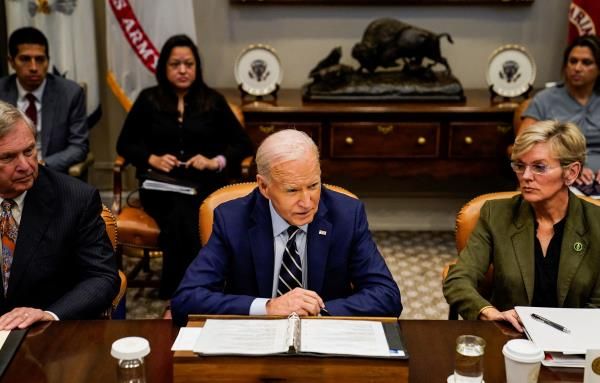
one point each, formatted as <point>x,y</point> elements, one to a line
<point>111,230</point>
<point>228,193</point>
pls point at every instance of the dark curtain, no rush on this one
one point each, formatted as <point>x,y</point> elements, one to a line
<point>3,41</point>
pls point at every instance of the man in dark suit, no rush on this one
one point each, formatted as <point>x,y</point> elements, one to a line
<point>56,105</point>
<point>289,246</point>
<point>57,261</point>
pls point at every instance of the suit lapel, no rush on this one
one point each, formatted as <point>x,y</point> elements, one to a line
<point>573,248</point>
<point>318,242</point>
<point>261,244</point>
<point>10,89</point>
<point>34,223</point>
<point>48,108</point>
<point>523,241</point>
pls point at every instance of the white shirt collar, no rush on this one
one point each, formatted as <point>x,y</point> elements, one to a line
<point>279,224</point>
<point>38,93</point>
<point>19,200</point>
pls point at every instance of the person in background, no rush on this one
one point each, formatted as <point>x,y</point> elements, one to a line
<point>185,130</point>
<point>55,105</point>
<point>57,261</point>
<point>291,245</point>
<point>577,100</point>
<point>542,243</point>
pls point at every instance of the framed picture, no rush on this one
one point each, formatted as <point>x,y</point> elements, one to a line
<point>383,2</point>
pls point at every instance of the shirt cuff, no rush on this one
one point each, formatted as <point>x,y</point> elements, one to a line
<point>222,161</point>
<point>259,306</point>
<point>52,314</point>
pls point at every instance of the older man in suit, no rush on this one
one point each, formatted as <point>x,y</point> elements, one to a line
<point>56,260</point>
<point>55,105</point>
<point>289,246</point>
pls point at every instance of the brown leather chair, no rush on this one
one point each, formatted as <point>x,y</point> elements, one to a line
<point>111,229</point>
<point>517,119</point>
<point>228,193</point>
<point>466,219</point>
<point>138,231</point>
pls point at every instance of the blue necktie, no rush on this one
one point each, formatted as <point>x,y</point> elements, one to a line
<point>290,274</point>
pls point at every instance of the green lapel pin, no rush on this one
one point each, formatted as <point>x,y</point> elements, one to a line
<point>578,246</point>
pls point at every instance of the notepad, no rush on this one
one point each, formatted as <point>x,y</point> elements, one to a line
<point>317,337</point>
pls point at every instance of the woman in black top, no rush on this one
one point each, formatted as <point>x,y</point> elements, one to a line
<point>183,129</point>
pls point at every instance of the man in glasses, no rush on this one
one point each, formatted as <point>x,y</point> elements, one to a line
<point>542,243</point>
<point>55,105</point>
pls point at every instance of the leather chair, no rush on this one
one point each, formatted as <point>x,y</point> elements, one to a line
<point>228,193</point>
<point>466,219</point>
<point>138,231</point>
<point>517,119</point>
<point>111,229</point>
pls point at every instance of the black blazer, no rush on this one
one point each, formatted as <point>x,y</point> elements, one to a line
<point>63,260</point>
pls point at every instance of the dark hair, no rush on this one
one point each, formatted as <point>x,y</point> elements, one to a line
<point>26,35</point>
<point>199,94</point>
<point>589,41</point>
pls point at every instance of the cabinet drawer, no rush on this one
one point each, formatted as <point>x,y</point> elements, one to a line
<point>384,140</point>
<point>258,131</point>
<point>478,139</point>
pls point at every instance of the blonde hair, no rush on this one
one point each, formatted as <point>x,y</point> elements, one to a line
<point>567,143</point>
<point>9,116</point>
<point>285,145</point>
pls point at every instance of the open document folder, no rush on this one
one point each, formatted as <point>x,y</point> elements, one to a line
<point>580,333</point>
<point>325,337</point>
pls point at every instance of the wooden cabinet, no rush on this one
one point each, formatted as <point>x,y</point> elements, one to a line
<point>363,139</point>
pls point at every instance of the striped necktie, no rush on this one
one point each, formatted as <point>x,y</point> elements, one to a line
<point>9,229</point>
<point>290,273</point>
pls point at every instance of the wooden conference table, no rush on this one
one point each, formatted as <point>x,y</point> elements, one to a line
<point>79,351</point>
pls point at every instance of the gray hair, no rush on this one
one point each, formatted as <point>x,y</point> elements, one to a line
<point>566,141</point>
<point>285,145</point>
<point>9,116</point>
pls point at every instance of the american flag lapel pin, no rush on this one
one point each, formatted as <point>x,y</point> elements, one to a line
<point>322,232</point>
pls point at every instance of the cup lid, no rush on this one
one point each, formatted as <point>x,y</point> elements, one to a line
<point>132,347</point>
<point>523,350</point>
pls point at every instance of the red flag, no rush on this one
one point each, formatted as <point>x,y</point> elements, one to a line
<point>584,18</point>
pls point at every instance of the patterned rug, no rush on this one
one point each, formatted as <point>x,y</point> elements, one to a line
<point>415,258</point>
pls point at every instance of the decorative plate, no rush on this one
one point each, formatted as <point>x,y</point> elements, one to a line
<point>511,71</point>
<point>258,70</point>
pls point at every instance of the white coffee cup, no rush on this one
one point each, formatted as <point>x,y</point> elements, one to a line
<point>522,360</point>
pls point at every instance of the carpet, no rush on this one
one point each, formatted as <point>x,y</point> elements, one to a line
<point>415,258</point>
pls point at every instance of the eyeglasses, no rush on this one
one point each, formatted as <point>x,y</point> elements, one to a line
<point>539,169</point>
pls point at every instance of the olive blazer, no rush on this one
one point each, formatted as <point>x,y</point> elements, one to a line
<point>504,237</point>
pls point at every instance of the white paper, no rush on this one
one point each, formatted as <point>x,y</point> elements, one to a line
<point>163,186</point>
<point>344,337</point>
<point>243,337</point>
<point>583,324</point>
<point>558,359</point>
<point>3,336</point>
<point>186,339</point>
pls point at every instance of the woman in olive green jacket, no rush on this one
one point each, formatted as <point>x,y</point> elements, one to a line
<point>543,243</point>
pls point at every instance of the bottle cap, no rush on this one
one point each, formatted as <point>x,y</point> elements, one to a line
<point>133,347</point>
<point>523,350</point>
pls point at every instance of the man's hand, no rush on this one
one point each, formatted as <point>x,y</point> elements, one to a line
<point>165,163</point>
<point>510,316</point>
<point>23,317</point>
<point>300,301</point>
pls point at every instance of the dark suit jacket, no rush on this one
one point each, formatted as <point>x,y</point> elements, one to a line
<point>236,266</point>
<point>63,261</point>
<point>64,125</point>
<point>504,237</point>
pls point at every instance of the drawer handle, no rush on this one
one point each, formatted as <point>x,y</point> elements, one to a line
<point>421,140</point>
<point>468,140</point>
<point>266,129</point>
<point>385,129</point>
<point>349,141</point>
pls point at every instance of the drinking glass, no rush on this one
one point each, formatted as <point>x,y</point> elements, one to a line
<point>468,362</point>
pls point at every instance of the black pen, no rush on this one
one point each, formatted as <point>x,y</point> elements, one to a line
<point>550,323</point>
<point>324,312</point>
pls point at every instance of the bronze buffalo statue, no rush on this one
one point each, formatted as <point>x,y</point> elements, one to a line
<point>386,41</point>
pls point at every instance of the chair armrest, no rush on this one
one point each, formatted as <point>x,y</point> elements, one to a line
<point>79,168</point>
<point>118,166</point>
